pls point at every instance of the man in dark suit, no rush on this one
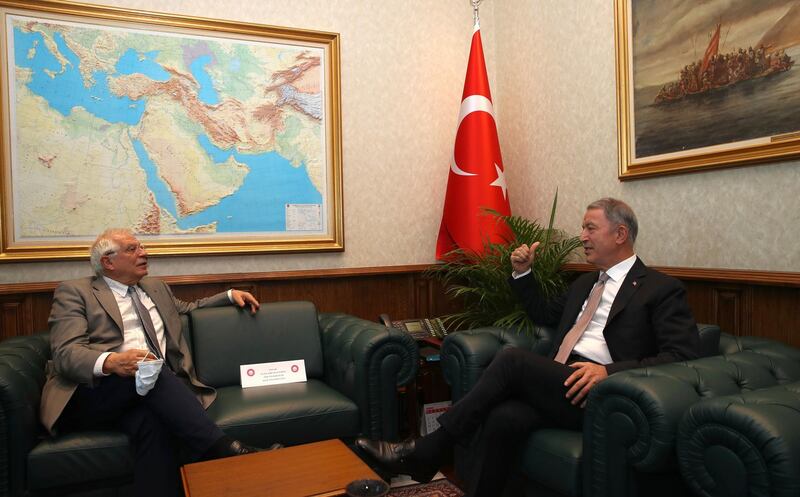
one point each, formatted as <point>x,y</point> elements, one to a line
<point>623,316</point>
<point>101,328</point>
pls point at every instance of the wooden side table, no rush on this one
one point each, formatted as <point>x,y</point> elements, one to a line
<point>321,469</point>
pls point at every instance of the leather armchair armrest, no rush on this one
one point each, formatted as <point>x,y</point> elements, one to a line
<point>367,361</point>
<point>747,444</point>
<point>632,417</point>
<point>22,375</point>
<point>631,421</point>
<point>466,354</point>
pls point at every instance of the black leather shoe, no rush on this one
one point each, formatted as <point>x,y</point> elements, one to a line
<point>386,452</point>
<point>237,448</point>
<point>398,457</point>
<point>228,447</point>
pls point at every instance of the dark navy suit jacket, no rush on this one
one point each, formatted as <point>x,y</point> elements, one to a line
<point>649,323</point>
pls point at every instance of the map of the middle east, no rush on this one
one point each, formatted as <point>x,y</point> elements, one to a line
<point>162,133</point>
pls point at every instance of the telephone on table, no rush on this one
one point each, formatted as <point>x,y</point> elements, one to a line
<point>419,329</point>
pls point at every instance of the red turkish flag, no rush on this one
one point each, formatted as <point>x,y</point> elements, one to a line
<point>477,178</point>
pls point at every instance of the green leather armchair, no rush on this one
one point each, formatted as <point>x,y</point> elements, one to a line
<point>746,444</point>
<point>353,367</point>
<point>627,446</point>
<point>634,418</point>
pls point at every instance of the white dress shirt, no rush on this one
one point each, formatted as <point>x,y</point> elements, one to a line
<point>133,334</point>
<point>592,344</point>
<point>132,330</point>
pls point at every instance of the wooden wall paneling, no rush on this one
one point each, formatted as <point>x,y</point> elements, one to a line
<point>192,292</point>
<point>741,302</point>
<point>776,314</point>
<point>326,294</point>
<point>432,301</point>
<point>14,318</point>
<point>700,298</point>
<point>366,297</point>
<point>374,295</point>
<point>732,308</point>
<point>41,303</point>
<point>758,310</point>
<point>423,298</point>
<point>24,314</point>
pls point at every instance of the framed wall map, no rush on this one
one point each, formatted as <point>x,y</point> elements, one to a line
<point>706,86</point>
<point>202,136</point>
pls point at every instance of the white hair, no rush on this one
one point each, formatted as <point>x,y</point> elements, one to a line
<point>105,244</point>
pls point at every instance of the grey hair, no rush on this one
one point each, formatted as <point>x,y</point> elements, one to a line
<point>105,244</point>
<point>619,213</point>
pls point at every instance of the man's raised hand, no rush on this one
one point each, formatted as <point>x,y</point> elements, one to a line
<point>522,257</point>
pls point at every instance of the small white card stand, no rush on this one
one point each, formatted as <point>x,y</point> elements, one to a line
<point>272,373</point>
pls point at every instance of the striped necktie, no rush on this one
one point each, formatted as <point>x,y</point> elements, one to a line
<point>147,323</point>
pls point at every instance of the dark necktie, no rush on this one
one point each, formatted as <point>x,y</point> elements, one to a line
<point>576,332</point>
<point>147,323</point>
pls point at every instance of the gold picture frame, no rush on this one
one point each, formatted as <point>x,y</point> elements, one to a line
<point>237,146</point>
<point>696,93</point>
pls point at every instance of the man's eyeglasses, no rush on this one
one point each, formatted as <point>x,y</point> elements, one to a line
<point>129,249</point>
<point>133,248</point>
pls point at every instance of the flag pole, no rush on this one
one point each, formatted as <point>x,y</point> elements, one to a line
<point>475,16</point>
<point>476,182</point>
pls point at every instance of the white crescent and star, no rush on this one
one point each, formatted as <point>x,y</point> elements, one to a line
<point>500,182</point>
<point>473,103</point>
<point>478,103</point>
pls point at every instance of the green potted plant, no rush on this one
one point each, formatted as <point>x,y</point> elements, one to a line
<point>480,281</point>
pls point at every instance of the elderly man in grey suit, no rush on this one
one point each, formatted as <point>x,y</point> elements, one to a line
<point>101,329</point>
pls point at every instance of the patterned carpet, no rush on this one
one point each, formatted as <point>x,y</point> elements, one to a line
<point>438,488</point>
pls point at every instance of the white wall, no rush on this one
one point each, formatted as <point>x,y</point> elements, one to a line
<point>552,75</point>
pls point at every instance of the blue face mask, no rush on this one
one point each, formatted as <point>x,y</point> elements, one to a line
<point>147,374</point>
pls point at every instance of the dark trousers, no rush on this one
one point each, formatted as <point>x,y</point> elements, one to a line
<point>519,391</point>
<point>154,423</point>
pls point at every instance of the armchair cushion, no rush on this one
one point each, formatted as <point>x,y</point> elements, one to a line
<point>290,414</point>
<point>77,458</point>
<point>552,458</point>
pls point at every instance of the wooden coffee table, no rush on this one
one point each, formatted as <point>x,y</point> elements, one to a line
<point>321,469</point>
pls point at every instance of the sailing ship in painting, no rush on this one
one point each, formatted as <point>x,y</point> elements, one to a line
<point>716,70</point>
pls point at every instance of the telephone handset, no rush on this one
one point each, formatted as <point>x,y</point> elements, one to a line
<point>419,329</point>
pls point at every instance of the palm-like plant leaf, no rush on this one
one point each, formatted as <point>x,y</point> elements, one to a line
<point>480,281</point>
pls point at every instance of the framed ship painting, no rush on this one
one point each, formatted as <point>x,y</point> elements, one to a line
<point>202,136</point>
<point>706,85</point>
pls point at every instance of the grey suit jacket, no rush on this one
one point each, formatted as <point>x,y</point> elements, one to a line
<point>85,322</point>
